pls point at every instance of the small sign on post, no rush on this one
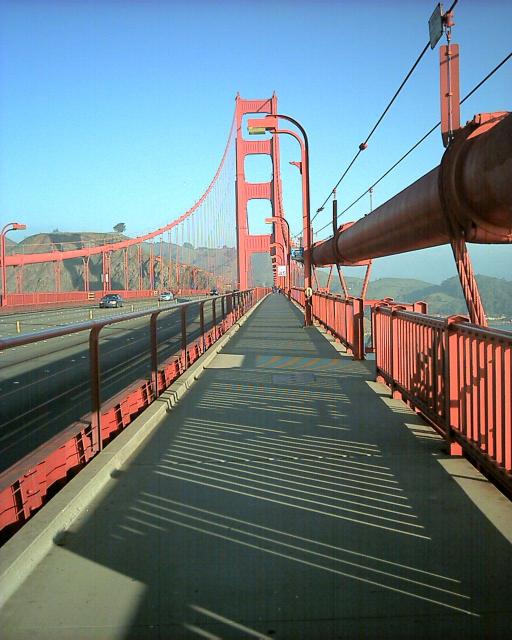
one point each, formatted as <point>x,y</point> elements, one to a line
<point>435,25</point>
<point>297,254</point>
<point>281,270</point>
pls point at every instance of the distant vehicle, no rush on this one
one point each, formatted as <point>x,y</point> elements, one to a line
<point>111,300</point>
<point>214,291</point>
<point>166,296</point>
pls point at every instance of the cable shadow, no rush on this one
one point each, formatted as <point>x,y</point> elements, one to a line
<point>269,508</point>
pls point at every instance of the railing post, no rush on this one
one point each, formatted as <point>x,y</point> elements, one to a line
<point>214,319</point>
<point>184,356</point>
<point>452,385</point>
<point>358,328</point>
<point>376,343</point>
<point>94,365</point>
<point>229,307</point>
<point>349,323</point>
<point>394,354</point>
<point>420,307</point>
<point>201,323</point>
<point>154,352</point>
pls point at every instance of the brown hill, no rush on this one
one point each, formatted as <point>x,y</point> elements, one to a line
<point>43,277</point>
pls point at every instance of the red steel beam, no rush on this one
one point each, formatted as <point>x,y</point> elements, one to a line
<point>471,185</point>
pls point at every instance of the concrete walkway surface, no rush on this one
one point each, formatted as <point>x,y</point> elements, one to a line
<point>286,496</point>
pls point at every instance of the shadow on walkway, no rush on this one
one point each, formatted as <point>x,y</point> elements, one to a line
<point>285,497</point>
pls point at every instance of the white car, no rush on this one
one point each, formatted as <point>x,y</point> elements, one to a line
<point>166,296</point>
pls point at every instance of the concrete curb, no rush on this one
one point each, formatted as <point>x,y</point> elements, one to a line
<point>20,555</point>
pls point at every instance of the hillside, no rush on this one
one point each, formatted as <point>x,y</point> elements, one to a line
<point>447,297</point>
<point>42,277</point>
<point>444,299</point>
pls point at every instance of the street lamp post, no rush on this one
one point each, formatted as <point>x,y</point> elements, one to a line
<point>10,226</point>
<point>273,220</point>
<point>270,123</point>
<point>275,245</point>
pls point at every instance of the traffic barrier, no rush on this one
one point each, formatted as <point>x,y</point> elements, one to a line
<point>344,318</point>
<point>26,486</point>
<point>457,375</point>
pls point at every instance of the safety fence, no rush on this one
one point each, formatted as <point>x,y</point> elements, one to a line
<point>43,299</point>
<point>28,483</point>
<point>458,375</point>
<point>349,319</point>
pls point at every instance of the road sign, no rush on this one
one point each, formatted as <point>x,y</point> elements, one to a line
<point>281,270</point>
<point>297,254</point>
<point>435,25</point>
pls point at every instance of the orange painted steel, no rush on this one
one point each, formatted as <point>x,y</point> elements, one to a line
<point>458,375</point>
<point>471,188</point>
<point>343,318</point>
<point>247,243</point>
<point>26,486</point>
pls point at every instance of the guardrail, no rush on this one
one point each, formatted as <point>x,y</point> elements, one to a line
<point>458,375</point>
<point>344,318</point>
<point>32,299</point>
<point>25,486</point>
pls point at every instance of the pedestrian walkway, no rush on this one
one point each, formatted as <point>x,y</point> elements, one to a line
<point>286,496</point>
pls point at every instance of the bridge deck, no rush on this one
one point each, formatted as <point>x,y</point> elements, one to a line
<point>286,496</point>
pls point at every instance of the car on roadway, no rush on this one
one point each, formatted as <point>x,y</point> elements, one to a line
<point>166,296</point>
<point>111,300</point>
<point>214,291</point>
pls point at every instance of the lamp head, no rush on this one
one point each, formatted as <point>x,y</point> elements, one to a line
<point>256,130</point>
<point>261,125</point>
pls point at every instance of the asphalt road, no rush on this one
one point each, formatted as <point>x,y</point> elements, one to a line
<point>45,386</point>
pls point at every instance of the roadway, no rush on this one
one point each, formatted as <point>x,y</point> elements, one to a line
<point>45,386</point>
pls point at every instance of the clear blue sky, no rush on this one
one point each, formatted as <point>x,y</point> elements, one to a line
<point>119,110</point>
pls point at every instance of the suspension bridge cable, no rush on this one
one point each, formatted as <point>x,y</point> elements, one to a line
<point>417,144</point>
<point>491,73</point>
<point>364,144</point>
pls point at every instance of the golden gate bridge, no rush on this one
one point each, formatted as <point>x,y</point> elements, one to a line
<point>455,372</point>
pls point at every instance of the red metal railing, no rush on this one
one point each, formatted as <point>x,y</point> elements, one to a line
<point>458,375</point>
<point>344,318</point>
<point>25,486</point>
<point>20,300</point>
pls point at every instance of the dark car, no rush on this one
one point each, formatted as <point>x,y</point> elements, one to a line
<point>111,300</point>
<point>214,291</point>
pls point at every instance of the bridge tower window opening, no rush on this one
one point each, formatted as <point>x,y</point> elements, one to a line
<point>258,168</point>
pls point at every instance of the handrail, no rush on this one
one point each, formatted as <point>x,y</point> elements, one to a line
<point>457,375</point>
<point>24,487</point>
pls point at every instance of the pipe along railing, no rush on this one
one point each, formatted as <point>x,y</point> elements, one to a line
<point>26,485</point>
<point>456,374</point>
